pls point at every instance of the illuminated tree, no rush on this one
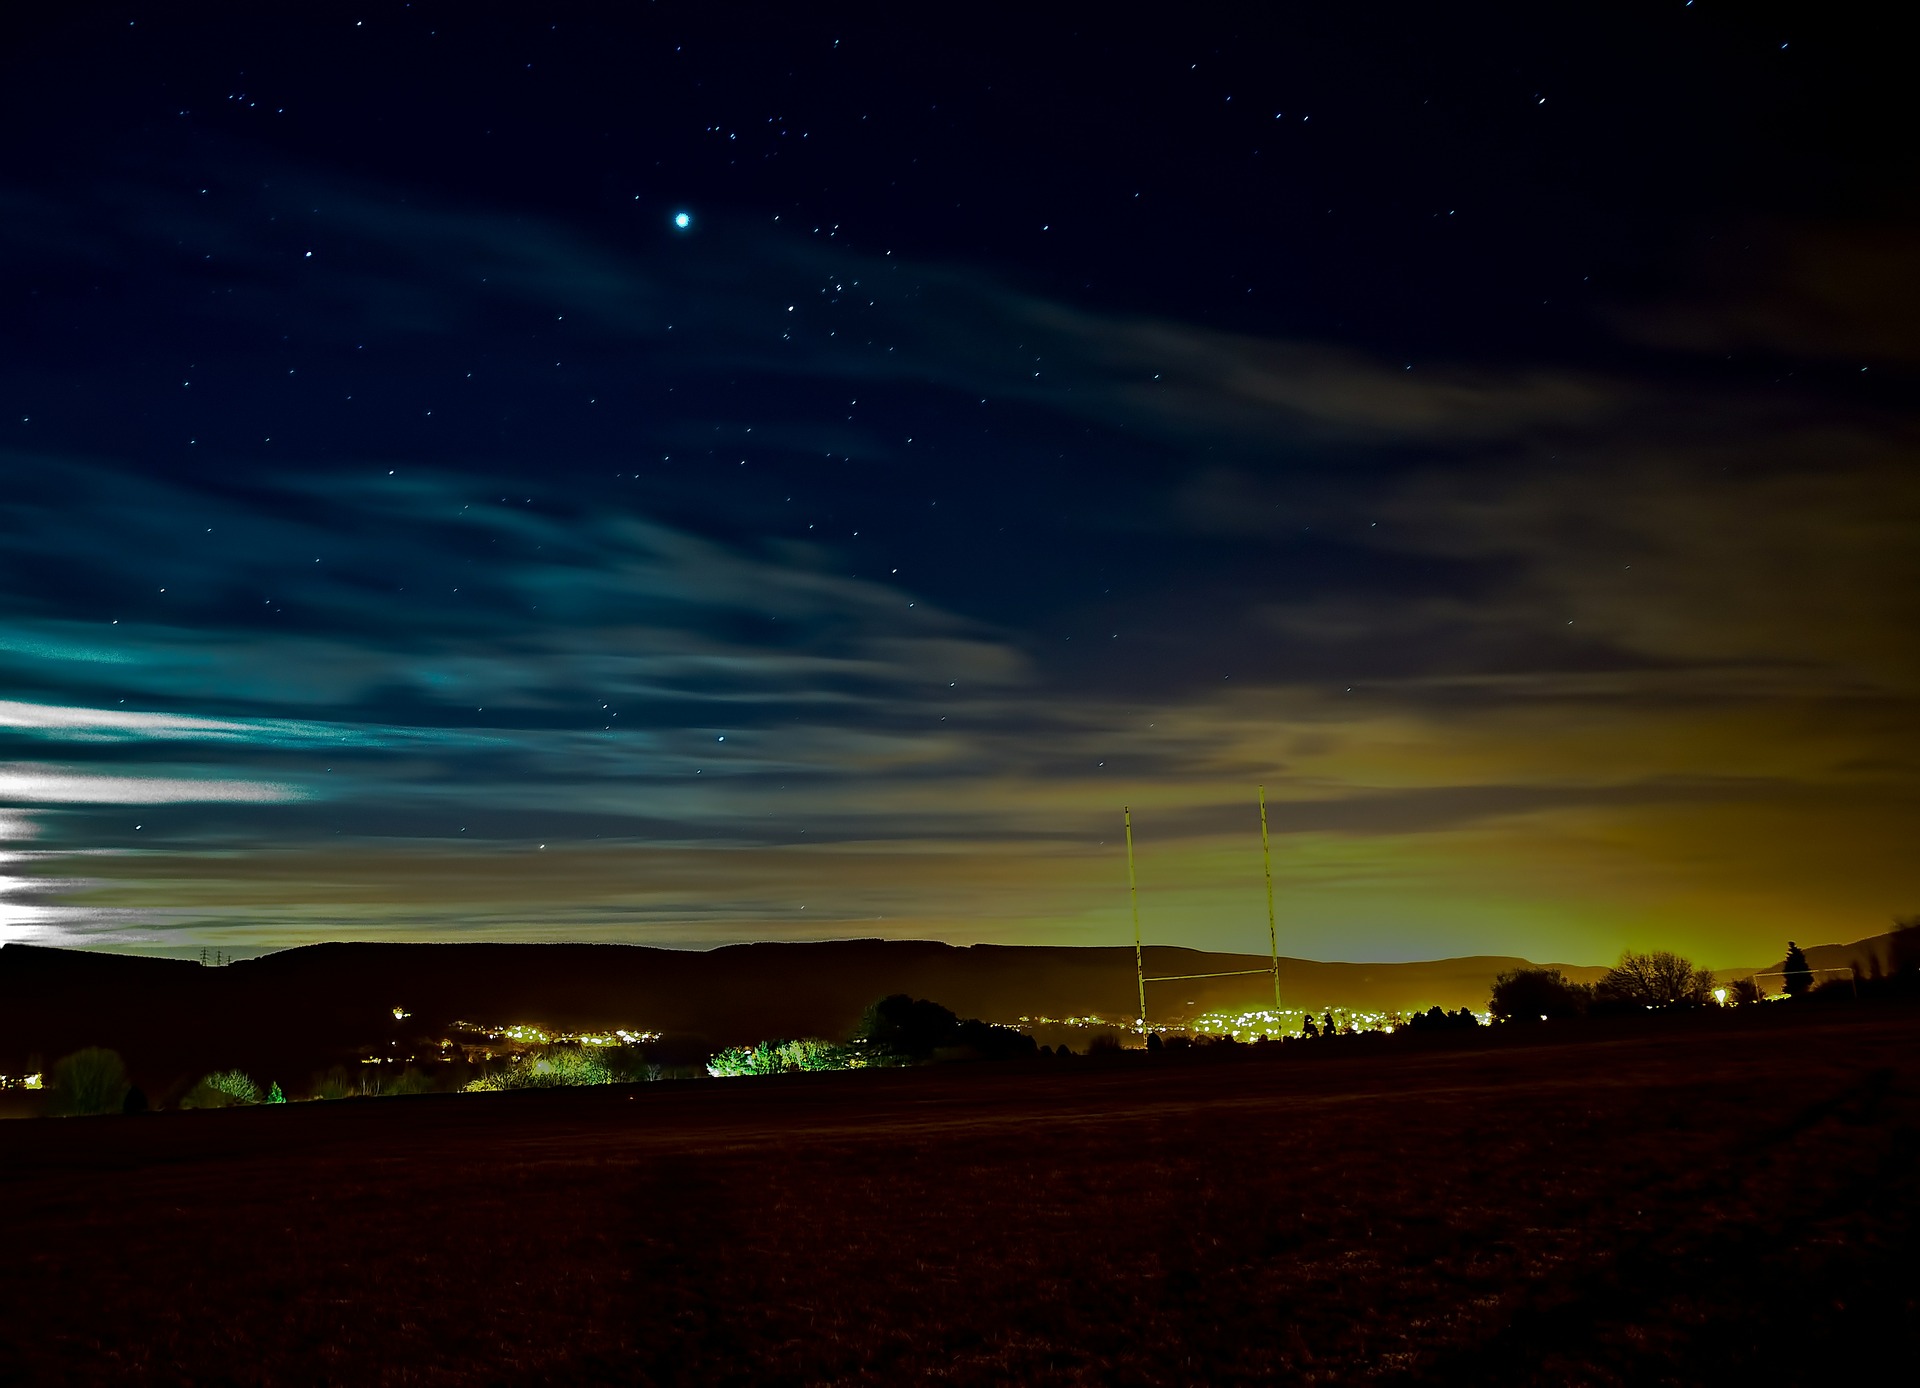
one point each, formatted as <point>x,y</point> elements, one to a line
<point>1799,975</point>
<point>558,1067</point>
<point>222,1089</point>
<point>782,1057</point>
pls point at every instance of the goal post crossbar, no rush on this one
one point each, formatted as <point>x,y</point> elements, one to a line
<point>1225,973</point>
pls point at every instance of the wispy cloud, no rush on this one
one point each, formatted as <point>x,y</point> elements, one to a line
<point>1512,646</point>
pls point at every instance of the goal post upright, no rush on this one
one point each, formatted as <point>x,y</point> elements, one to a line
<point>1273,931</point>
<point>1133,896</point>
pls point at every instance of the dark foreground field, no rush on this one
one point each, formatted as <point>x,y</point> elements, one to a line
<point>1645,1208</point>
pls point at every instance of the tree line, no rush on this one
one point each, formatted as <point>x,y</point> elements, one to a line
<point>1662,981</point>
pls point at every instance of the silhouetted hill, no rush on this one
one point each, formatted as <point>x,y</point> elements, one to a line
<point>300,1009</point>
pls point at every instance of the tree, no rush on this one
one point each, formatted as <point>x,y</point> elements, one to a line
<point>1657,980</point>
<point>907,1025</point>
<point>1531,995</point>
<point>1904,949</point>
<point>1743,992</point>
<point>1799,975</point>
<point>93,1080</point>
<point>914,1028</point>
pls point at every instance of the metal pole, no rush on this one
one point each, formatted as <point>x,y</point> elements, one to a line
<point>1133,895</point>
<point>1273,932</point>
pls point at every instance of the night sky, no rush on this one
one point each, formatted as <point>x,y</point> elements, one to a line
<point>1493,430</point>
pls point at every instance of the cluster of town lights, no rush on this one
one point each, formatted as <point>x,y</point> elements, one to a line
<point>524,1035</point>
<point>1272,1023</point>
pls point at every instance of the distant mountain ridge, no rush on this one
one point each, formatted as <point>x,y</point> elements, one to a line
<point>314,1005</point>
<point>1877,953</point>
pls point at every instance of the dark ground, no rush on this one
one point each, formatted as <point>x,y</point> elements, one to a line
<point>1655,1205</point>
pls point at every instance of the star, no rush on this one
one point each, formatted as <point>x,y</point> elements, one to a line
<point>683,220</point>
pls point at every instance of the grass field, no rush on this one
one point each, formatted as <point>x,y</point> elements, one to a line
<point>1660,1205</point>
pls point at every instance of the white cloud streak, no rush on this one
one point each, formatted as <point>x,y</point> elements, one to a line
<point>51,785</point>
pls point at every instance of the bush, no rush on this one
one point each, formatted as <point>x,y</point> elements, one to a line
<point>992,1042</point>
<point>223,1089</point>
<point>558,1067</point>
<point>782,1057</point>
<point>374,1081</point>
<point>1531,995</point>
<point>1658,980</point>
<point>336,1084</point>
<point>1435,1019</point>
<point>87,1082</point>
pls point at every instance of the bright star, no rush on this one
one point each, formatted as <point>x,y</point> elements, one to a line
<point>683,220</point>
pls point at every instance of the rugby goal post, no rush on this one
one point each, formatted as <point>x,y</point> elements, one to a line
<point>1142,978</point>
